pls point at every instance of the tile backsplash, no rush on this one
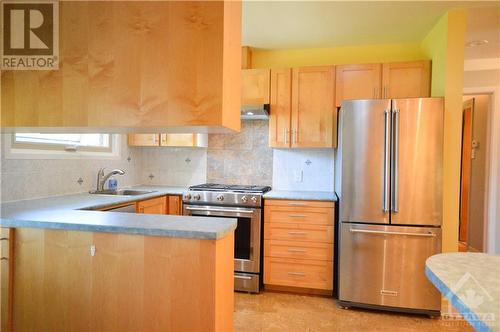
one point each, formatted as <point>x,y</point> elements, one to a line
<point>173,166</point>
<point>303,169</point>
<point>241,158</point>
<point>32,178</point>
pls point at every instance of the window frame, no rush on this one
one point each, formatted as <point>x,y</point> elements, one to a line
<point>34,150</point>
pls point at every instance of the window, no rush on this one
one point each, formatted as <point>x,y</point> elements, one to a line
<point>35,145</point>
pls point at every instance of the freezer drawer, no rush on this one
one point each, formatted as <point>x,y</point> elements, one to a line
<point>384,265</point>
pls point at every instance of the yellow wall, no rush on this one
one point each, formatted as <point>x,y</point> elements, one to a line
<point>262,58</point>
<point>444,44</point>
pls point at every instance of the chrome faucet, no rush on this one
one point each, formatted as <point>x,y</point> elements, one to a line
<point>101,178</point>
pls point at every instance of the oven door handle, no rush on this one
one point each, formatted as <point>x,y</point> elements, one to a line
<point>218,210</point>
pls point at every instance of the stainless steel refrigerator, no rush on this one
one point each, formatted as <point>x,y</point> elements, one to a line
<point>389,167</point>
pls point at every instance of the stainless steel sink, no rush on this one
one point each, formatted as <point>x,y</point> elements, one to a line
<point>122,192</point>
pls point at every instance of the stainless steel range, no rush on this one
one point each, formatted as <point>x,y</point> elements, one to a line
<point>245,204</point>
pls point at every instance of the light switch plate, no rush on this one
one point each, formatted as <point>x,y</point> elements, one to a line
<point>298,176</point>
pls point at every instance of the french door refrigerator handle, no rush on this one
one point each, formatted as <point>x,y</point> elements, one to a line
<point>385,203</point>
<point>429,234</point>
<point>395,156</point>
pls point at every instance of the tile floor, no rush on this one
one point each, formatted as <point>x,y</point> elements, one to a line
<point>286,312</point>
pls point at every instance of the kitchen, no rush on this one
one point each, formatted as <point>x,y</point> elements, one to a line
<point>282,184</point>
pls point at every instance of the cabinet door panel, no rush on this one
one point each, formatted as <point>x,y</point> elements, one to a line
<point>254,86</point>
<point>314,115</point>
<point>153,206</point>
<point>279,117</point>
<point>358,82</point>
<point>174,205</point>
<point>143,139</point>
<point>406,79</point>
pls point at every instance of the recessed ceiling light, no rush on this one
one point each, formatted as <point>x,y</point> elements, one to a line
<point>475,43</point>
<point>249,113</point>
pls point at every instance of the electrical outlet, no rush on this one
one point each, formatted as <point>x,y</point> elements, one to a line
<point>298,176</point>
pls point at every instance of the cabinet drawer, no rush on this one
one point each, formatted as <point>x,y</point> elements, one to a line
<point>298,203</point>
<point>298,273</point>
<point>298,232</point>
<point>298,250</point>
<point>318,216</point>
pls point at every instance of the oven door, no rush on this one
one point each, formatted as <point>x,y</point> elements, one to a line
<point>246,235</point>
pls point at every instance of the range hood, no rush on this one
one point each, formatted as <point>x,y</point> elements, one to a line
<point>255,112</point>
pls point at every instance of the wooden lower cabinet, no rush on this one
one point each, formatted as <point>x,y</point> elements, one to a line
<point>298,244</point>
<point>130,283</point>
<point>156,205</point>
<point>304,273</point>
<point>174,205</point>
<point>6,282</point>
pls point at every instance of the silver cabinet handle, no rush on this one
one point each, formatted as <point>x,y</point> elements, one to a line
<point>4,259</point>
<point>352,230</point>
<point>395,153</point>
<point>294,136</point>
<point>297,233</point>
<point>297,215</point>
<point>4,239</point>
<point>296,250</point>
<point>298,274</point>
<point>385,199</point>
<point>218,210</point>
<point>242,277</point>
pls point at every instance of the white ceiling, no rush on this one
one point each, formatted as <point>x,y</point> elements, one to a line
<point>483,23</point>
<point>303,24</point>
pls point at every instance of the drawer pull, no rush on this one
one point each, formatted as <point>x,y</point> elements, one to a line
<point>296,250</point>
<point>297,233</point>
<point>4,239</point>
<point>297,215</point>
<point>4,259</point>
<point>297,274</point>
<point>297,204</point>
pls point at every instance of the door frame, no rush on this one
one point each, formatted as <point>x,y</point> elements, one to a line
<point>492,226</point>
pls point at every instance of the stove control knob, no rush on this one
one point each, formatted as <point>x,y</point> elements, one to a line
<point>254,199</point>
<point>197,197</point>
<point>187,197</point>
<point>220,198</point>
<point>244,199</point>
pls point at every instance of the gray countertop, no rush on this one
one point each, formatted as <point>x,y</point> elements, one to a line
<point>471,282</point>
<point>73,212</point>
<point>302,195</point>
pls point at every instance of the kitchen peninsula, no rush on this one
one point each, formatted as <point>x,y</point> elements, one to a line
<point>78,269</point>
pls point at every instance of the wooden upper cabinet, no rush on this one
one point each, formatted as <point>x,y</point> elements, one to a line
<point>255,86</point>
<point>143,139</point>
<point>360,81</point>
<point>184,140</point>
<point>406,79</point>
<point>314,115</point>
<point>156,205</point>
<point>173,140</point>
<point>281,108</point>
<point>141,64</point>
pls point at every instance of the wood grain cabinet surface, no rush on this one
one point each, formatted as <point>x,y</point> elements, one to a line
<point>156,205</point>
<point>6,277</point>
<point>303,112</point>
<point>410,79</point>
<point>171,204</point>
<point>406,79</point>
<point>142,64</point>
<point>168,140</point>
<point>298,245</point>
<point>359,81</point>
<point>129,282</point>
<point>255,86</point>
